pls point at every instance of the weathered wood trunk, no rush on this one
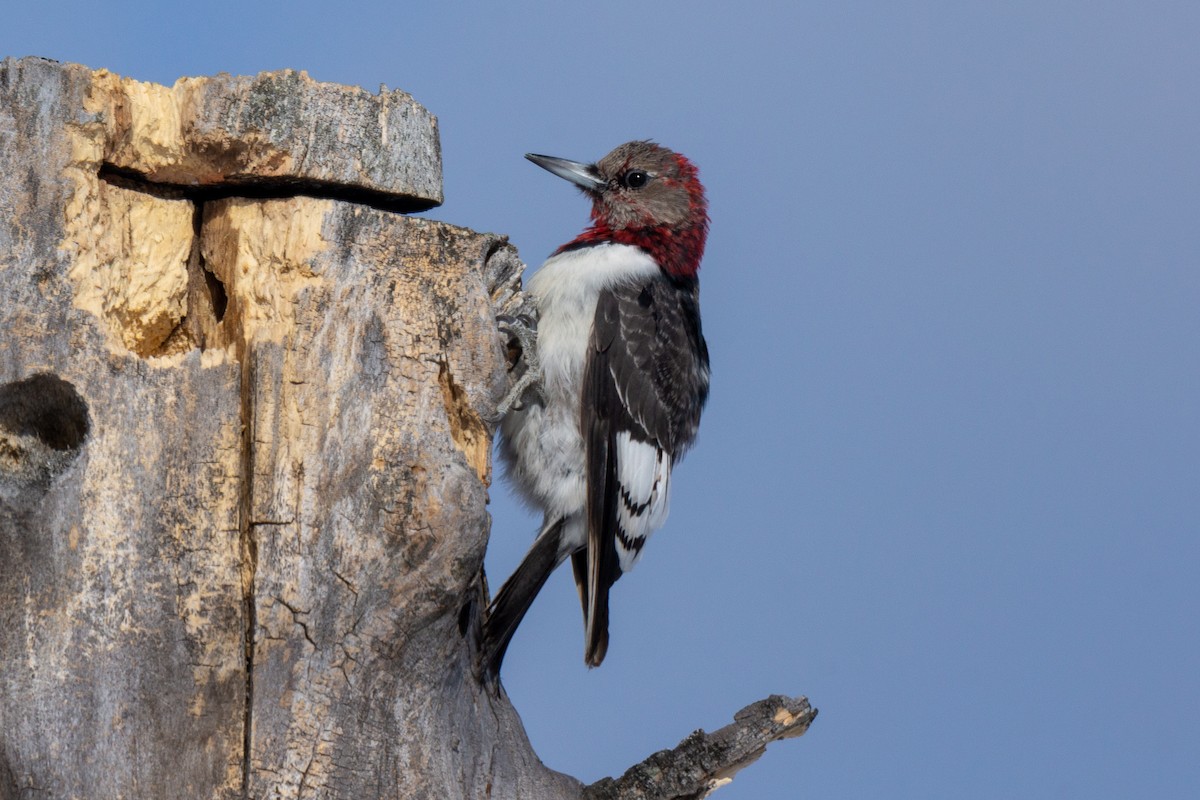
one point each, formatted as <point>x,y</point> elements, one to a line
<point>244,448</point>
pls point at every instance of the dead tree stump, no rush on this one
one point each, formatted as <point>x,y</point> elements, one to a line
<point>245,453</point>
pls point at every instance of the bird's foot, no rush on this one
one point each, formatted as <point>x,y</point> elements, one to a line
<point>521,331</point>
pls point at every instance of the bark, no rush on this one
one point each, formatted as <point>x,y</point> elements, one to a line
<point>245,431</point>
<point>704,762</point>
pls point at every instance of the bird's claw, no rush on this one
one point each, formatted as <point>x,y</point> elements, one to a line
<point>522,329</point>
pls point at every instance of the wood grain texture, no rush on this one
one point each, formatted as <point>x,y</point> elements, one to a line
<point>247,579</point>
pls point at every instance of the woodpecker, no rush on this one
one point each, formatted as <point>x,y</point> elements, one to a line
<point>616,376</point>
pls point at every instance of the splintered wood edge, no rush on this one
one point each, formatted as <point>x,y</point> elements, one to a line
<point>703,762</point>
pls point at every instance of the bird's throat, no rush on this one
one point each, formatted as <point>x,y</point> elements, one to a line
<point>678,250</point>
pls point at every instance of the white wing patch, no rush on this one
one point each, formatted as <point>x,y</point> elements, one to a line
<point>643,486</point>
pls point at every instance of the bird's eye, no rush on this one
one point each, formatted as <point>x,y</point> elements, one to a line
<point>635,179</point>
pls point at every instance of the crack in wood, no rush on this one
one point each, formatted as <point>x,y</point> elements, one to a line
<point>263,188</point>
<point>249,549</point>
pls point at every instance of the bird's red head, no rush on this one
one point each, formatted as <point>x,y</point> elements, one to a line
<point>644,195</point>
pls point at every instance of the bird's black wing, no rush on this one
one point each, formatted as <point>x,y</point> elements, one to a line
<point>645,384</point>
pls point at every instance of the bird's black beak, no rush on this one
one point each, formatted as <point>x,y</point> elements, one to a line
<point>582,175</point>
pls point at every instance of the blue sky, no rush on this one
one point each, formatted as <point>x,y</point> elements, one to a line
<point>948,483</point>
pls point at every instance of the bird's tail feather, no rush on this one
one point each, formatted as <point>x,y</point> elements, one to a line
<point>597,628</point>
<point>517,594</point>
<point>600,568</point>
<point>595,611</point>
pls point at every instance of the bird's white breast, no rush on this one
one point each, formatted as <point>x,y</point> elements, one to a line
<point>544,446</point>
<point>566,289</point>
